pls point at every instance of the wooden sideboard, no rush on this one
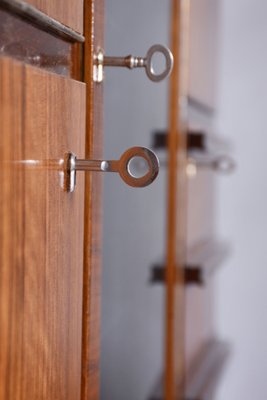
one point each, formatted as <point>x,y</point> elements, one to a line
<point>160,252</point>
<point>49,239</point>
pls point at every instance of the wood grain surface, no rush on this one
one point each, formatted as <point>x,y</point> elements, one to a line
<point>68,12</point>
<point>26,43</point>
<point>94,33</point>
<point>41,236</point>
<point>176,207</point>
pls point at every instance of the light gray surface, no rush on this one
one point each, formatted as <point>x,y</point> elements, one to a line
<point>242,300</point>
<point>202,203</point>
<point>236,86</point>
<point>204,50</point>
<point>134,220</point>
<point>240,100</point>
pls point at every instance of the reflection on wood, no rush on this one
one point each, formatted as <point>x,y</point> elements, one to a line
<point>201,107</point>
<point>41,236</point>
<point>25,42</point>
<point>206,370</point>
<point>197,140</point>
<point>62,10</point>
<point>202,261</point>
<point>204,374</point>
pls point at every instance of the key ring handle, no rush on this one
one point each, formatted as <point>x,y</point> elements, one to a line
<point>158,48</point>
<point>152,163</point>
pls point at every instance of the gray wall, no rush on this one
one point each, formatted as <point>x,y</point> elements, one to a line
<point>242,199</point>
<point>228,71</point>
<point>132,309</point>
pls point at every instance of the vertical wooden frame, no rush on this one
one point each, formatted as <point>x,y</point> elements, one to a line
<point>41,235</point>
<point>94,32</point>
<point>176,214</point>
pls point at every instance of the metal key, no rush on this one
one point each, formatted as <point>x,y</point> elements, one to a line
<point>121,166</point>
<point>222,164</point>
<point>70,164</point>
<point>131,62</point>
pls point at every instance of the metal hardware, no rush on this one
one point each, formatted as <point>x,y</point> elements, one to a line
<point>131,174</point>
<point>121,166</point>
<point>202,261</point>
<point>101,61</point>
<point>221,163</point>
<point>205,151</point>
<point>195,140</point>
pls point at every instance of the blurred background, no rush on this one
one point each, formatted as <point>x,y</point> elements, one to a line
<point>241,200</point>
<point>227,75</point>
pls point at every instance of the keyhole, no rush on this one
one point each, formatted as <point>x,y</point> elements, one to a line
<point>138,167</point>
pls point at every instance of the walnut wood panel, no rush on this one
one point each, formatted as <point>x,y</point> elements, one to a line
<point>68,12</point>
<point>94,32</point>
<point>41,236</point>
<point>26,42</point>
<point>176,215</point>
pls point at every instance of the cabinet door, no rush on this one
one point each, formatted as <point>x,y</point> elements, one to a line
<point>67,12</point>
<point>49,239</point>
<point>41,235</point>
